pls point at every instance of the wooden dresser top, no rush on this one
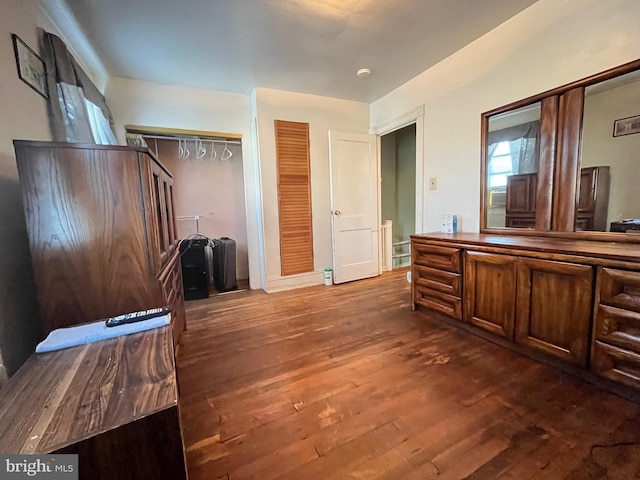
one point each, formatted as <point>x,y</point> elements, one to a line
<point>618,251</point>
<point>59,398</point>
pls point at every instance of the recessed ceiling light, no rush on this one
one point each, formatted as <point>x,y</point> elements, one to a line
<point>364,73</point>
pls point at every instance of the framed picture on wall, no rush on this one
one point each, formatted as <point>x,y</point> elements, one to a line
<point>626,126</point>
<point>31,68</point>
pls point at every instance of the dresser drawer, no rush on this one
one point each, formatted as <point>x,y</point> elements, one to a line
<point>620,288</point>
<point>616,364</point>
<point>440,280</point>
<point>438,301</point>
<point>520,221</point>
<point>618,327</point>
<point>444,258</point>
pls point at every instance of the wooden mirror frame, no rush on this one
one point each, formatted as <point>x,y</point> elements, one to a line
<point>559,162</point>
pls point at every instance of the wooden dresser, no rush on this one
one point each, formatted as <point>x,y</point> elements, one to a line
<point>102,232</point>
<point>574,301</point>
<point>114,403</point>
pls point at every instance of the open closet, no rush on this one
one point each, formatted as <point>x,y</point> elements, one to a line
<point>209,197</point>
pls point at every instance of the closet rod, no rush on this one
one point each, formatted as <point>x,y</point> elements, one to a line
<point>180,132</point>
<point>193,139</point>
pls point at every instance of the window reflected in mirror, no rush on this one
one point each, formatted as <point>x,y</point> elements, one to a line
<point>513,146</point>
<point>609,194</point>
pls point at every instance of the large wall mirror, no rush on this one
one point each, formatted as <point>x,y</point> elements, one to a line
<point>513,147</point>
<point>567,160</point>
<point>612,154</point>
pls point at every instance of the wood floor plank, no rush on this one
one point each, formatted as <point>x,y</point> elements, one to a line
<point>432,441</point>
<point>520,445</point>
<point>347,382</point>
<point>368,445</point>
<point>552,460</point>
<point>277,463</point>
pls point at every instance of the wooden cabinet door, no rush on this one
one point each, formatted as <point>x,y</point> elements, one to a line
<point>520,194</point>
<point>593,199</point>
<point>158,182</point>
<point>157,188</point>
<point>554,304</point>
<point>490,292</point>
<point>169,213</point>
<point>160,216</point>
<point>586,194</point>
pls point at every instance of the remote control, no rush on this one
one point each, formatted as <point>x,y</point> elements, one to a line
<point>136,316</point>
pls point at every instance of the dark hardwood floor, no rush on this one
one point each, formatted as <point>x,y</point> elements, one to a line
<point>345,382</point>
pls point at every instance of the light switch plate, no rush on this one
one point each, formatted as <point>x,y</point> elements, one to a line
<point>433,183</point>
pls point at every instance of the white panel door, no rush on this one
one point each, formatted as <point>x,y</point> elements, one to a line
<point>354,205</point>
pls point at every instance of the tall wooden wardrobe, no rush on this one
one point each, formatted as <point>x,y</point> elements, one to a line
<point>102,232</point>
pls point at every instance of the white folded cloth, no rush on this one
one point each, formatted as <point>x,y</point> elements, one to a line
<point>94,332</point>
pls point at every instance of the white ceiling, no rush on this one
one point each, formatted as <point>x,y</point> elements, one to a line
<point>309,46</point>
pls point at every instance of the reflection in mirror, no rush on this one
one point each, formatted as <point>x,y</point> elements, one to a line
<point>512,167</point>
<point>610,156</point>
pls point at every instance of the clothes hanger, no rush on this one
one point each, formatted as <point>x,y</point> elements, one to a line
<point>186,150</point>
<point>226,153</point>
<point>201,150</point>
<point>214,154</point>
<point>180,150</point>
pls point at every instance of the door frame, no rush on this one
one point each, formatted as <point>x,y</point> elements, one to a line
<point>413,116</point>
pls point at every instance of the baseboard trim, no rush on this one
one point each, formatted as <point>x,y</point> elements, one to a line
<point>294,281</point>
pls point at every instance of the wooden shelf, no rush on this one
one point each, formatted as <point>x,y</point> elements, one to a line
<point>104,393</point>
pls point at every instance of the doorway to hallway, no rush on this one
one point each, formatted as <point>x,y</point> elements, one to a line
<point>398,191</point>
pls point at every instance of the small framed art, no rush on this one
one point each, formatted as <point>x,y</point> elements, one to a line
<point>31,68</point>
<point>626,126</point>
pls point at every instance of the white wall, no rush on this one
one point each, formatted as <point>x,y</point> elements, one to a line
<point>322,114</point>
<point>547,45</point>
<point>601,148</point>
<point>23,115</point>
<point>151,104</point>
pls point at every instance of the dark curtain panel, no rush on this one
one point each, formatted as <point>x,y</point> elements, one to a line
<point>72,119</point>
<point>523,144</point>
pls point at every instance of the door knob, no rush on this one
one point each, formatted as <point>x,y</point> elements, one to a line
<point>337,212</point>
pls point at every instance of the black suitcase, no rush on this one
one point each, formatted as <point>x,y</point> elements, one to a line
<point>224,264</point>
<point>194,268</point>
